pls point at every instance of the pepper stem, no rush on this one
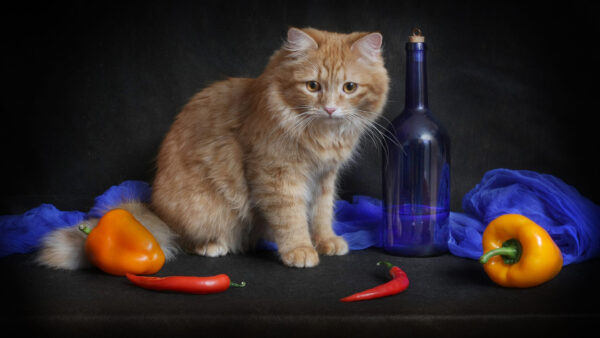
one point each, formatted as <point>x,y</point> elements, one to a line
<point>236,285</point>
<point>388,264</point>
<point>85,229</point>
<point>510,252</point>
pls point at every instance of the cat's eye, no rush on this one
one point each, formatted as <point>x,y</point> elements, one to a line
<point>313,86</point>
<point>350,87</point>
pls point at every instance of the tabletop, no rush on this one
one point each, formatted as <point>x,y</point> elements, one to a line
<point>447,296</point>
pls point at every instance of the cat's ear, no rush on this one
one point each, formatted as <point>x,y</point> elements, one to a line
<point>369,46</point>
<point>299,41</point>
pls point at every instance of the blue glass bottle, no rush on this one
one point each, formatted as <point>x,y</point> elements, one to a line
<point>416,170</point>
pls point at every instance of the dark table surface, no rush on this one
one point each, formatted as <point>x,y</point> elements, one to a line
<point>447,296</point>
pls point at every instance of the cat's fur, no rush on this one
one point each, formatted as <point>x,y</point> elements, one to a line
<point>258,158</point>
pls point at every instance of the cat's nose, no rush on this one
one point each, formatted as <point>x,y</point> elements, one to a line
<point>330,110</point>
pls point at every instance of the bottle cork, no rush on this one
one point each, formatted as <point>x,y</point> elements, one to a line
<point>416,36</point>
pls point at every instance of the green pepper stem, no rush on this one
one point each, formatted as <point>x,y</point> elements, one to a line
<point>388,264</point>
<point>85,229</point>
<point>236,285</point>
<point>510,251</point>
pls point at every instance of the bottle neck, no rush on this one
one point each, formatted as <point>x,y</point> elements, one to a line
<point>416,76</point>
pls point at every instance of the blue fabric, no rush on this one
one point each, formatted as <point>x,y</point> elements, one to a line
<point>572,220</point>
<point>23,233</point>
<point>128,191</point>
<point>358,222</point>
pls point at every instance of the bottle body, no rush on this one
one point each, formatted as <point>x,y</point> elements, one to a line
<point>416,172</point>
<point>416,187</point>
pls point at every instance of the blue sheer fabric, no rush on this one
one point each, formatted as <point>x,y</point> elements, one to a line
<point>572,220</point>
<point>358,222</point>
<point>23,233</point>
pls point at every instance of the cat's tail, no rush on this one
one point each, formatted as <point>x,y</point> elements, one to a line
<point>65,248</point>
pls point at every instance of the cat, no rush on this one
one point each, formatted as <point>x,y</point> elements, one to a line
<point>258,158</point>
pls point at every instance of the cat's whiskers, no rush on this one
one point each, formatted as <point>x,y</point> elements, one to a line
<point>383,130</point>
<point>355,122</point>
<point>372,129</point>
<point>298,125</point>
<point>367,129</point>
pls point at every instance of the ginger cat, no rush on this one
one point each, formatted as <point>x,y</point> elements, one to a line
<point>258,158</point>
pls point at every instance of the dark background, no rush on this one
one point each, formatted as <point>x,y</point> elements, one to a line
<point>90,88</point>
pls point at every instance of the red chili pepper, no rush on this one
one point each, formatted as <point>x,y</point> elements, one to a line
<point>398,284</point>
<point>187,284</point>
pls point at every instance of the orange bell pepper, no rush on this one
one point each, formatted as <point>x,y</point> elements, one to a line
<point>119,244</point>
<point>519,253</point>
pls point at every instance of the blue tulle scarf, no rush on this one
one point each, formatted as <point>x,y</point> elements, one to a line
<point>24,233</point>
<point>572,220</point>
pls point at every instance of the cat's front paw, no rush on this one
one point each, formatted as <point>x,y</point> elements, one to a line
<point>211,249</point>
<point>301,257</point>
<point>332,246</point>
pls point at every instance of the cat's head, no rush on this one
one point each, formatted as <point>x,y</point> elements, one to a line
<point>331,78</point>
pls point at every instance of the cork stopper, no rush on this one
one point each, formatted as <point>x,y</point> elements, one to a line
<point>416,36</point>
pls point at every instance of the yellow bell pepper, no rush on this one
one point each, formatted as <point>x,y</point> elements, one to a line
<point>519,253</point>
<point>119,244</point>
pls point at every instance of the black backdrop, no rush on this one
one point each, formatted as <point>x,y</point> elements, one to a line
<point>91,88</point>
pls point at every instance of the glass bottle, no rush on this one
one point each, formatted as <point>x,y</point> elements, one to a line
<point>416,169</point>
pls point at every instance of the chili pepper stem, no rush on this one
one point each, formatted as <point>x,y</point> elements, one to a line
<point>236,285</point>
<point>388,264</point>
<point>510,252</point>
<point>85,229</point>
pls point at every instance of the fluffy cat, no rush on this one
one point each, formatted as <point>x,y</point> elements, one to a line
<point>258,158</point>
